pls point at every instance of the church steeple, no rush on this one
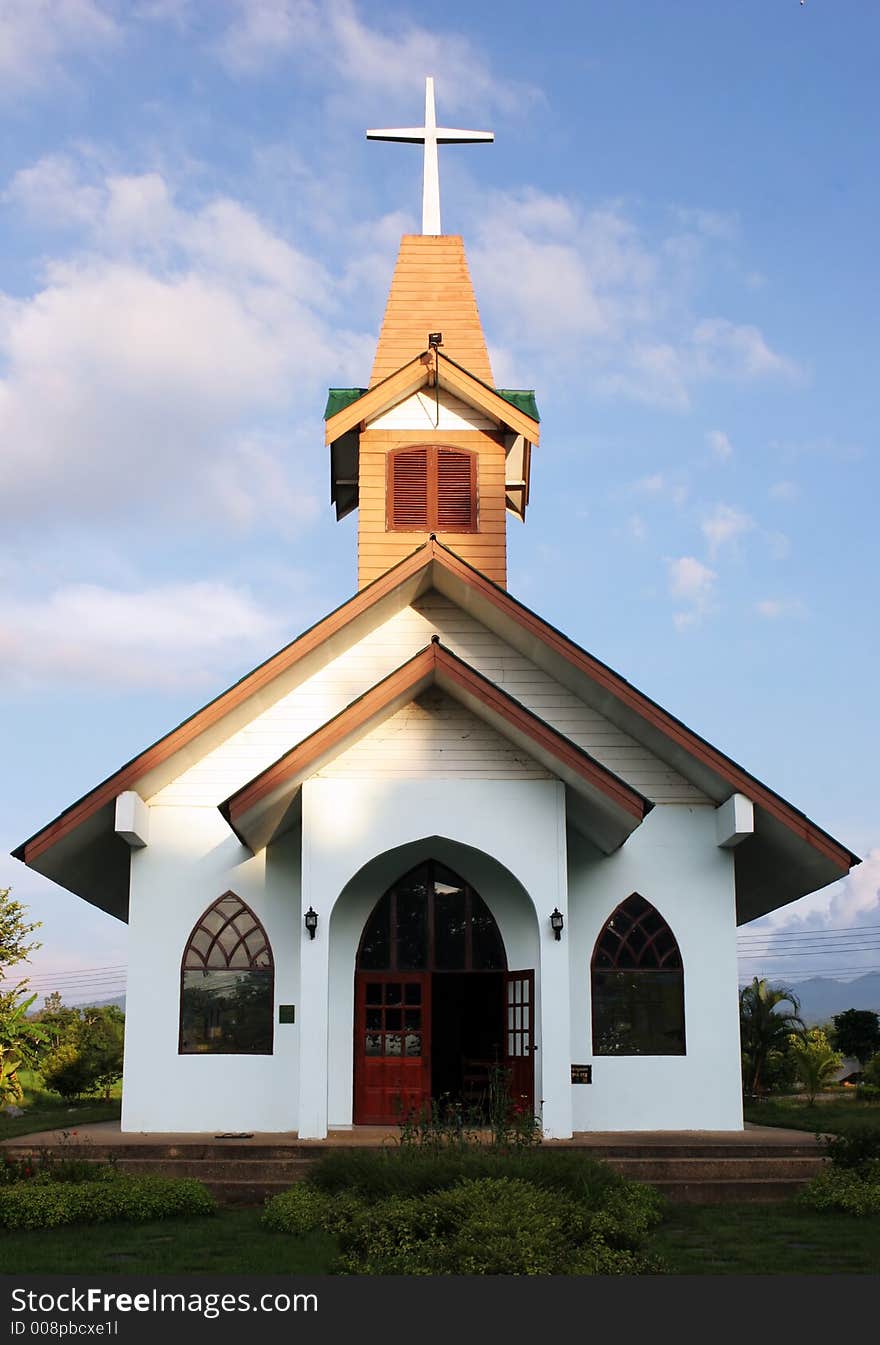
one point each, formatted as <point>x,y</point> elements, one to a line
<point>431,446</point>
<point>431,291</point>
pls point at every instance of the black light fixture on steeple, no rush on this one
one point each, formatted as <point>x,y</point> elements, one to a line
<point>556,923</point>
<point>311,919</point>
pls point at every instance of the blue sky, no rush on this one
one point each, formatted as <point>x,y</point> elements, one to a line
<point>673,240</point>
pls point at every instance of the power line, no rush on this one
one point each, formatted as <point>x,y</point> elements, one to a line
<point>805,933</point>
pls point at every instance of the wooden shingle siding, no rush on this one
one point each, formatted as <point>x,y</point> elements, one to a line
<point>273,732</point>
<point>431,290</point>
<point>380,547</point>
<point>434,735</point>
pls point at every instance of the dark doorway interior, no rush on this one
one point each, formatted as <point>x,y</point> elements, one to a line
<point>466,1036</point>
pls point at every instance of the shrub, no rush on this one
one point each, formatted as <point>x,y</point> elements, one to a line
<point>855,1150</point>
<point>377,1174</point>
<point>305,1208</point>
<point>843,1188</point>
<point>868,1092</point>
<point>871,1072</point>
<point>487,1226</point>
<point>48,1204</point>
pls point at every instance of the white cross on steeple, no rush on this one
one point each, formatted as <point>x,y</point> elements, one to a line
<point>430,135</point>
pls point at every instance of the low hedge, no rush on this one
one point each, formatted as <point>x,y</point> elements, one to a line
<point>490,1226</point>
<point>446,1224</point>
<point>37,1204</point>
<point>375,1174</point>
<point>844,1188</point>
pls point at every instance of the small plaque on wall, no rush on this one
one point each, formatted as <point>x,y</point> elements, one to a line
<point>287,1013</point>
<point>582,1073</point>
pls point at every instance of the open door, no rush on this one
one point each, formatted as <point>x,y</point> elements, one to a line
<point>392,1060</point>
<point>519,1036</point>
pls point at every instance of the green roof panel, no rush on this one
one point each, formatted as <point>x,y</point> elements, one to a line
<point>339,398</point>
<point>522,398</point>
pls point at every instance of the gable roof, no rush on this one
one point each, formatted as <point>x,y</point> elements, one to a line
<point>787,857</point>
<point>419,372</point>
<point>607,810</point>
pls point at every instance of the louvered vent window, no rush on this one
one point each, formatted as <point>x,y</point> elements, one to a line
<point>432,489</point>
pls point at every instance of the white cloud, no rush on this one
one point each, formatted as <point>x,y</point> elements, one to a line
<point>725,524</point>
<point>334,37</point>
<point>693,583</point>
<point>725,349</point>
<point>37,35</point>
<point>613,305</point>
<point>720,444</point>
<point>851,902</point>
<point>164,360</point>
<point>170,636</point>
<point>774,608</point>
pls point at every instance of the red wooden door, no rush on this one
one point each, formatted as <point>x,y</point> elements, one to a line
<point>519,1036</point>
<point>392,1046</point>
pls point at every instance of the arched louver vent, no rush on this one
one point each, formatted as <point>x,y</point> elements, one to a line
<point>409,489</point>
<point>228,937</point>
<point>456,496</point>
<point>432,489</point>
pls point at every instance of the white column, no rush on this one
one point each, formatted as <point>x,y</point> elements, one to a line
<point>554,1039</point>
<point>312,1011</point>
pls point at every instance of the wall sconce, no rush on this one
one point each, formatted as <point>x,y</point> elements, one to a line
<point>556,922</point>
<point>311,919</point>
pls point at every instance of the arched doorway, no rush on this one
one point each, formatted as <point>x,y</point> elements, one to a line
<point>436,1007</point>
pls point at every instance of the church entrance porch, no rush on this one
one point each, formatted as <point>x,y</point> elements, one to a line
<point>438,1017</point>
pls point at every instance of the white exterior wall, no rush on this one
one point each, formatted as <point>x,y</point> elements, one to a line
<point>673,861</point>
<point>493,827</point>
<point>192,859</point>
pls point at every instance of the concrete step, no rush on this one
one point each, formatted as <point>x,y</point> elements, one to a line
<point>716,1169</point>
<point>761,1191</point>
<point>207,1170</point>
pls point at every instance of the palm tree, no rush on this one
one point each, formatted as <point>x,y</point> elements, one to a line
<point>763,1028</point>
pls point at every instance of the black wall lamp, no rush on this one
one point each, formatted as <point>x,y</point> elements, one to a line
<point>557,921</point>
<point>311,919</point>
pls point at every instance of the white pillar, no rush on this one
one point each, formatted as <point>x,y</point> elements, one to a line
<point>554,1040</point>
<point>312,1011</point>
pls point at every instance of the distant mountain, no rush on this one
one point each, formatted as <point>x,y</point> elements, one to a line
<point>118,1000</point>
<point>821,997</point>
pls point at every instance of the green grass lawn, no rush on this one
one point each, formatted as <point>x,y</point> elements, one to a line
<point>778,1239</point>
<point>774,1239</point>
<point>233,1241</point>
<point>837,1116</point>
<point>44,1110</point>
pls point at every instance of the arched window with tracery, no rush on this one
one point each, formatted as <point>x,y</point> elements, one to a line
<point>637,984</point>
<point>227,983</point>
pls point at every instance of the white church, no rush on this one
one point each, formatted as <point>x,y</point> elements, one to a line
<point>432,837</point>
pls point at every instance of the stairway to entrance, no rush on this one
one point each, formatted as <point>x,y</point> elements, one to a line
<point>760,1164</point>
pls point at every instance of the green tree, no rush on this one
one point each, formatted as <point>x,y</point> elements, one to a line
<point>87,1056</point>
<point>15,930</point>
<point>815,1060</point>
<point>765,1029</point>
<point>20,1037</point>
<point>857,1033</point>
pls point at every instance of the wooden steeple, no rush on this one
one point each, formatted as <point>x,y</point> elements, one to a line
<point>431,446</point>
